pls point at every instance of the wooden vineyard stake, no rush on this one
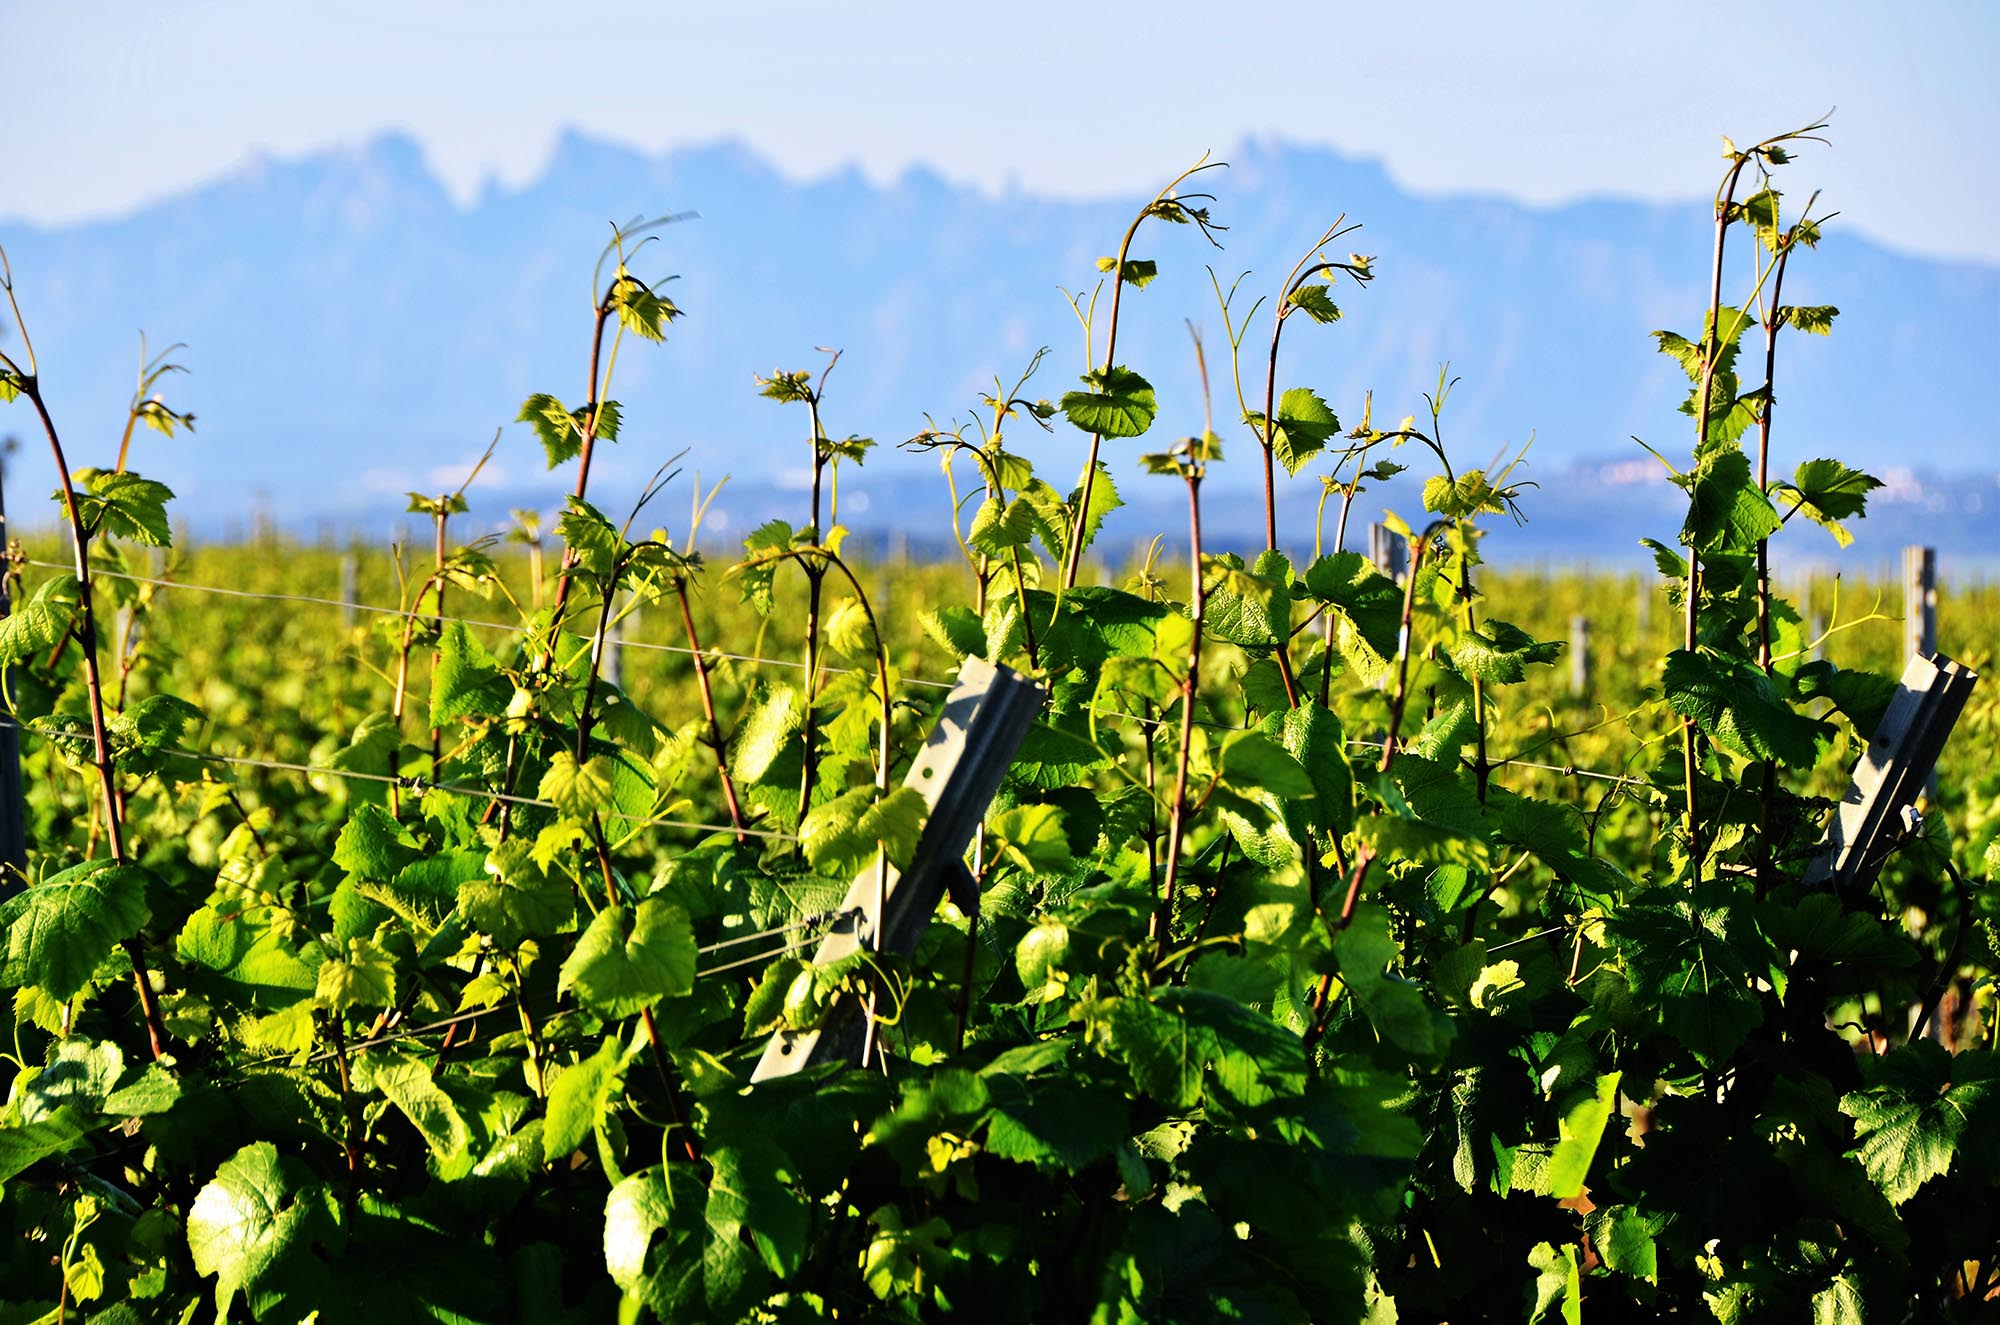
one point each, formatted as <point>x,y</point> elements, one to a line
<point>349,569</point>
<point>1919,601</point>
<point>1894,768</point>
<point>1579,654</point>
<point>957,771</point>
<point>1389,552</point>
<point>1920,613</point>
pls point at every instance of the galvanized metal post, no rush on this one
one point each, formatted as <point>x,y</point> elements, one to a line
<point>1920,617</point>
<point>349,571</point>
<point>1919,601</point>
<point>959,768</point>
<point>1900,759</point>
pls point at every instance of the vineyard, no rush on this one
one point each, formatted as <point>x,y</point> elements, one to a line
<point>399,930</point>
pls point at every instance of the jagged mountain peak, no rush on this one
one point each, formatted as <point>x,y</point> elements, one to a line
<point>352,326</point>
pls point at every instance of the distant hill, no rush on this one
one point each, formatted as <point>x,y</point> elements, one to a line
<point>353,332</point>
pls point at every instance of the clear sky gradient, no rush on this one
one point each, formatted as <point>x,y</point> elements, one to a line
<point>114,103</point>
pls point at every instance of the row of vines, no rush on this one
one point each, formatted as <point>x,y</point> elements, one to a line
<point>1326,961</point>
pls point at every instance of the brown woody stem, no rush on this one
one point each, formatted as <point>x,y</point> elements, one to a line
<point>715,741</point>
<point>1177,823</point>
<point>107,776</point>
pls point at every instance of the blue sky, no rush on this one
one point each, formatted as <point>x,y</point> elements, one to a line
<point>117,102</point>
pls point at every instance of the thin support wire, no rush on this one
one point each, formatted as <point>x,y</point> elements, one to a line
<point>799,946</point>
<point>815,920</point>
<point>401,1034</point>
<point>1569,770</point>
<point>463,621</point>
<point>1502,765</point>
<point>420,785</point>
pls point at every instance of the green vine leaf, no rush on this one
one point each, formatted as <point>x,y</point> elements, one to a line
<point>1305,423</point>
<point>27,1144</point>
<point>1470,494</point>
<point>842,835</point>
<point>750,1199</point>
<point>997,528</point>
<point>1118,403</point>
<point>1254,762</point>
<point>373,845</point>
<point>1031,838</point>
<point>1136,272</point>
<point>468,681</point>
<point>1315,300</point>
<point>362,976</point>
<point>252,1223</point>
<point>1166,1054</point>
<point>1558,1284</point>
<point>579,790</point>
<point>514,900</point>
<point>1502,653</point>
<point>1367,605</point>
<point>1582,1128</point>
<point>1736,705</point>
<point>594,543</point>
<point>786,388</point>
<point>36,626</point>
<point>1313,736</point>
<point>1919,1107</point>
<point>561,430</point>
<point>124,505</point>
<point>1813,319</point>
<point>578,1100</point>
<point>1727,512</point>
<point>1691,960</point>
<point>617,975</point>
<point>757,573</point>
<point>641,309</point>
<point>1395,1006</point>
<point>638,1207</point>
<point>1827,492</point>
<point>78,1074</point>
<point>407,1084</point>
<point>59,930</point>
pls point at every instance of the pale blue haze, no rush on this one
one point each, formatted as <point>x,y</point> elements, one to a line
<point>375,232</point>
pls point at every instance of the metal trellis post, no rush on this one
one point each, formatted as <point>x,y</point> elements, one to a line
<point>349,572</point>
<point>1895,767</point>
<point>985,717</point>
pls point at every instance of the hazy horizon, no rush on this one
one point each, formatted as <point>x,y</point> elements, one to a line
<point>398,304</point>
<point>1543,105</point>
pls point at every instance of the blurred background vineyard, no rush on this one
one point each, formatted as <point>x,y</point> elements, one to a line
<point>286,679</point>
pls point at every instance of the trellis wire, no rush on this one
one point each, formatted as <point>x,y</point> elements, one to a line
<point>463,621</point>
<point>402,1034</point>
<point>1566,770</point>
<point>806,923</point>
<point>816,918</point>
<point>1499,765</point>
<point>418,785</point>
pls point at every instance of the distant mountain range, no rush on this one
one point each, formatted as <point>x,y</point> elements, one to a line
<point>354,332</point>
